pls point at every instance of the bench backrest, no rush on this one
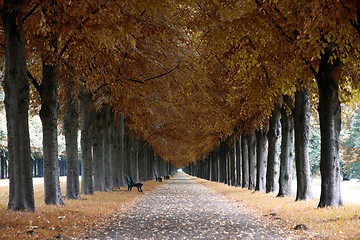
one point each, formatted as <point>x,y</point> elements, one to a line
<point>129,180</point>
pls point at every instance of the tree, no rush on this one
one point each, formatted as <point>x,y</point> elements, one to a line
<point>87,184</point>
<point>301,114</point>
<point>330,126</point>
<point>252,160</point>
<point>261,160</point>
<point>245,160</point>
<point>71,127</point>
<point>287,145</point>
<point>16,86</point>
<point>273,155</point>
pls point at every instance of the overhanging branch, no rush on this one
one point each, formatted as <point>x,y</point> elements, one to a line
<point>137,80</point>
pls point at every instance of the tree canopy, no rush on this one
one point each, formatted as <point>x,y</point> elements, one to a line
<point>186,74</point>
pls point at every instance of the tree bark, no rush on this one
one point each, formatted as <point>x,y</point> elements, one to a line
<point>245,161</point>
<point>16,87</point>
<point>261,160</point>
<point>113,152</point>
<point>232,164</point>
<point>273,154</point>
<point>120,148</point>
<point>222,161</point>
<point>49,117</point>
<point>238,162</point>
<point>287,145</point>
<point>106,147</point>
<point>71,126</point>
<point>87,183</point>
<point>99,179</point>
<point>302,128</point>
<point>252,161</point>
<point>330,125</point>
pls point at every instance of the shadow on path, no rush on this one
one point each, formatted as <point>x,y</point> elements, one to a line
<point>184,209</point>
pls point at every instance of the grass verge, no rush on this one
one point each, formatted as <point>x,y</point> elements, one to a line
<point>322,223</point>
<point>70,221</point>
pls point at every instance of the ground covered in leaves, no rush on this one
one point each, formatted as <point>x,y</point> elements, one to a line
<point>184,209</point>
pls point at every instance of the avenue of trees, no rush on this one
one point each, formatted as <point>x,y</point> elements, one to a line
<point>218,81</point>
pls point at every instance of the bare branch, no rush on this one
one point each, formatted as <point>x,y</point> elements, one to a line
<point>136,80</point>
<point>33,80</point>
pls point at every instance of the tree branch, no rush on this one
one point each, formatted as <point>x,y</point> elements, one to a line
<point>31,12</point>
<point>78,29</point>
<point>136,80</point>
<point>33,80</point>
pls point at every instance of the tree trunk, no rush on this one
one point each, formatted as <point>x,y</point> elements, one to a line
<point>222,161</point>
<point>16,87</point>
<point>302,128</point>
<point>238,162</point>
<point>252,161</point>
<point>135,158</point>
<point>261,160</point>
<point>273,154</point>
<point>106,147</point>
<point>141,161</point>
<point>287,148</point>
<point>120,147</point>
<point>71,126</point>
<point>330,126</point>
<point>49,117</point>
<point>87,183</point>
<point>113,152</point>
<point>245,161</point>
<point>232,164</point>
<point>99,179</point>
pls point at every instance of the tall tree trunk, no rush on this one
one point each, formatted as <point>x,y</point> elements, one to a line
<point>222,161</point>
<point>261,160</point>
<point>99,179</point>
<point>245,161</point>
<point>287,148</point>
<point>252,160</point>
<point>120,144</point>
<point>87,183</point>
<point>135,158</point>
<point>273,154</point>
<point>113,152</point>
<point>330,126</point>
<point>141,161</point>
<point>106,147</point>
<point>16,87</point>
<point>238,161</point>
<point>232,164</point>
<point>71,126</point>
<point>49,117</point>
<point>302,129</point>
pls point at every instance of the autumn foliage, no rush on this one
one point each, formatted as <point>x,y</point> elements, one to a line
<point>187,74</point>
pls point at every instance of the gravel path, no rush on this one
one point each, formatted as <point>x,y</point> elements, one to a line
<point>184,209</point>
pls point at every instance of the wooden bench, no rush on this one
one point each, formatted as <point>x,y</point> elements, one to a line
<point>131,184</point>
<point>159,179</point>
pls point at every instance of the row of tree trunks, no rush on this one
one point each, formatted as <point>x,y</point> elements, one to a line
<point>254,165</point>
<point>113,152</point>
